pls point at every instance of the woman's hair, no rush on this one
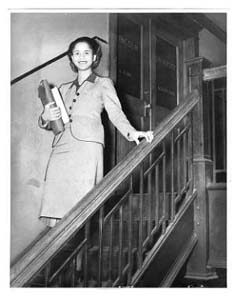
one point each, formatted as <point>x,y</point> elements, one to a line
<point>93,44</point>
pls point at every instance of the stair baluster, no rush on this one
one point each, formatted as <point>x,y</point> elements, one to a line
<point>130,236</point>
<point>164,187</point>
<point>172,205</point>
<point>101,224</point>
<point>140,237</point>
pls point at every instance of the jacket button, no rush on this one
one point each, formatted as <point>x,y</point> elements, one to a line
<point>70,120</point>
<point>70,107</point>
<point>69,115</point>
<point>74,100</point>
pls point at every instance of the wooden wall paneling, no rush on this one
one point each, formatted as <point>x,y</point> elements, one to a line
<point>217,226</point>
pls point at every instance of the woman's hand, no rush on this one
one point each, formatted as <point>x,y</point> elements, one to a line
<point>135,135</point>
<point>51,113</point>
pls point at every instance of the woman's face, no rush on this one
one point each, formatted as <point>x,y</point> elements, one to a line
<point>83,56</point>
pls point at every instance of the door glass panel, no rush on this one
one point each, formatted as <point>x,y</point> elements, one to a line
<point>129,57</point>
<point>166,74</point>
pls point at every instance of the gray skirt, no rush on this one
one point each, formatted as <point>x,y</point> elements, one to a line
<point>73,169</point>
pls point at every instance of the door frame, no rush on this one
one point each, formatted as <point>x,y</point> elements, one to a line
<point>142,21</point>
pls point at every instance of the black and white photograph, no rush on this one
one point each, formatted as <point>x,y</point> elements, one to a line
<point>118,148</point>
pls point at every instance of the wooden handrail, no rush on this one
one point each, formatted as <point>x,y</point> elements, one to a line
<point>50,244</point>
<point>30,72</point>
<point>214,73</point>
<point>47,63</point>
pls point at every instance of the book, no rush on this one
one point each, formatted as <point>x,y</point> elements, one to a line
<point>60,103</point>
<point>47,98</point>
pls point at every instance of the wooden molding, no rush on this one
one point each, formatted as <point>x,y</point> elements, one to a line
<point>219,262</point>
<point>214,73</point>
<point>209,25</point>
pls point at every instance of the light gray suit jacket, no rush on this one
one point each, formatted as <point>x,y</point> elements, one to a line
<point>85,105</point>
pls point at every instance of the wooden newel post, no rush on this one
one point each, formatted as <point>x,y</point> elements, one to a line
<point>197,266</point>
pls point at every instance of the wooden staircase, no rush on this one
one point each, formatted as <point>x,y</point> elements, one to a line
<point>116,257</point>
<point>139,236</point>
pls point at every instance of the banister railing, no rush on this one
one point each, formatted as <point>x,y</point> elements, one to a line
<point>214,73</point>
<point>30,72</point>
<point>45,64</point>
<point>75,227</point>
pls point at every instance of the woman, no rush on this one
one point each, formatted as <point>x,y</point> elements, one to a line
<point>76,162</point>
